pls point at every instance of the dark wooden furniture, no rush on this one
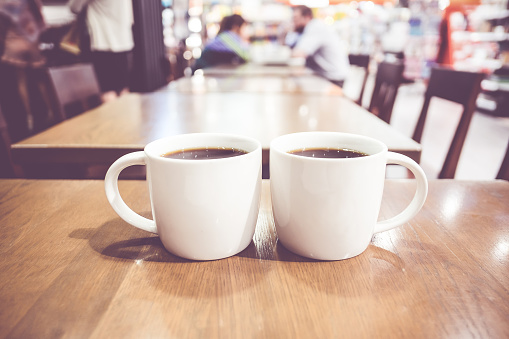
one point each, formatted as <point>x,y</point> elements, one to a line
<point>102,135</point>
<point>72,268</point>
<point>362,61</point>
<point>6,164</point>
<point>503,173</point>
<point>456,86</point>
<point>75,89</point>
<point>24,100</point>
<point>388,79</point>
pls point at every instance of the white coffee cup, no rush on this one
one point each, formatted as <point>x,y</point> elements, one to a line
<point>203,209</point>
<point>327,209</point>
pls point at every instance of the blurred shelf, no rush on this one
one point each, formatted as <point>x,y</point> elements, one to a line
<point>464,36</point>
<point>494,98</point>
<point>495,84</point>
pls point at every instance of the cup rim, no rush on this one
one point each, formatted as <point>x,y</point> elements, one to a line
<point>149,152</point>
<point>274,147</point>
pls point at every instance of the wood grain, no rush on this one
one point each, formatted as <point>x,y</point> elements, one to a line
<point>137,119</point>
<point>72,268</point>
<point>258,101</point>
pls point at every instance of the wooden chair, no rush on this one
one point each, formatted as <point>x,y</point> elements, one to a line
<point>362,61</point>
<point>503,173</point>
<point>462,88</point>
<point>6,164</point>
<point>8,169</point>
<point>391,55</point>
<point>388,78</point>
<point>75,89</point>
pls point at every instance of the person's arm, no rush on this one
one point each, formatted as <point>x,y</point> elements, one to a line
<point>309,41</point>
<point>299,53</point>
<point>235,44</point>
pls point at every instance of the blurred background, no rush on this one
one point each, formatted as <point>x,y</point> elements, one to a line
<point>408,29</point>
<point>473,35</point>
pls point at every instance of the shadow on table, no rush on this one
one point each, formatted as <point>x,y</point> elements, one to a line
<point>376,269</point>
<point>117,239</point>
<point>372,252</point>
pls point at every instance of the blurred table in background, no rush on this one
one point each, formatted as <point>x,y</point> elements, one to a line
<point>72,268</point>
<point>101,135</point>
<point>253,69</point>
<point>301,84</point>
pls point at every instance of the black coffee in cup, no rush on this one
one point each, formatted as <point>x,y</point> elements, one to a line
<point>329,153</point>
<point>204,153</point>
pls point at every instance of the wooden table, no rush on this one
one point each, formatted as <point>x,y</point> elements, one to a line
<point>254,69</point>
<point>302,84</point>
<point>72,268</point>
<point>102,135</point>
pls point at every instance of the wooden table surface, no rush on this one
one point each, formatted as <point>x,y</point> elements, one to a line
<point>71,268</point>
<point>102,135</point>
<point>304,84</point>
<point>254,69</point>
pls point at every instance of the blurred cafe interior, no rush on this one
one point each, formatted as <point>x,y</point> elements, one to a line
<point>169,37</point>
<point>85,84</point>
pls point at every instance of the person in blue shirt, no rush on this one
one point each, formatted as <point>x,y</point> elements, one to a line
<point>227,47</point>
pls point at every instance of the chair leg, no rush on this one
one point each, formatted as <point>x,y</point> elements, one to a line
<point>453,155</point>
<point>422,118</point>
<point>374,98</point>
<point>25,97</point>
<point>504,168</point>
<point>388,104</point>
<point>363,87</point>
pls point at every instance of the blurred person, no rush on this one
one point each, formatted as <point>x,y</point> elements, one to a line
<point>227,47</point>
<point>320,46</point>
<point>21,62</point>
<point>109,25</point>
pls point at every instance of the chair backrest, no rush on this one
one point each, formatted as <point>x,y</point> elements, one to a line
<point>6,165</point>
<point>456,86</point>
<point>75,89</point>
<point>362,61</point>
<point>503,173</point>
<point>388,78</point>
<point>392,55</point>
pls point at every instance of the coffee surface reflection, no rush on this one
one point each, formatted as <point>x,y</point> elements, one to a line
<point>329,153</point>
<point>204,153</point>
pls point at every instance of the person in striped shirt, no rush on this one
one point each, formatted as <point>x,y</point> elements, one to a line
<point>227,47</point>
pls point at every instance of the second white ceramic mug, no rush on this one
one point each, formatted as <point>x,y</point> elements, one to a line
<point>203,209</point>
<point>327,209</point>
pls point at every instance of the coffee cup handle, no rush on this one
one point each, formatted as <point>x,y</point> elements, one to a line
<point>418,200</point>
<point>113,195</point>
